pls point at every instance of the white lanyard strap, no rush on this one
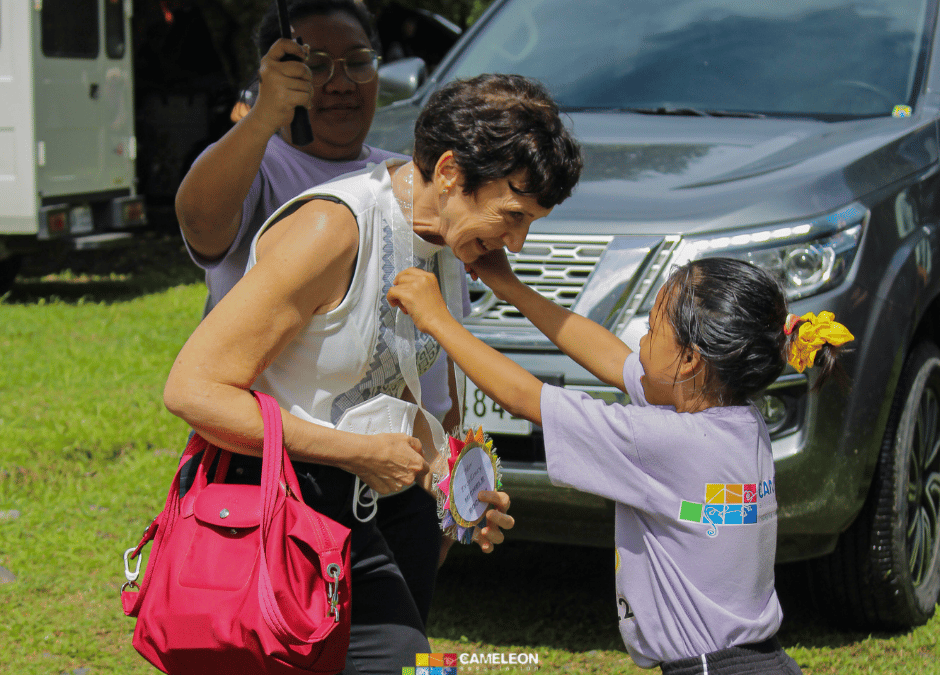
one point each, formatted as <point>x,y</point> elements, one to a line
<point>405,335</point>
<point>405,331</point>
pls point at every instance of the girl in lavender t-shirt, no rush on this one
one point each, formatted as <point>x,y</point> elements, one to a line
<point>688,462</point>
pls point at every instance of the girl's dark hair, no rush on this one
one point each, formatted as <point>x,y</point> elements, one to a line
<point>733,314</point>
<point>497,125</point>
<point>269,30</point>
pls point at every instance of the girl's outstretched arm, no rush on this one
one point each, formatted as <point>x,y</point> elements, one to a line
<point>519,392</point>
<point>592,346</point>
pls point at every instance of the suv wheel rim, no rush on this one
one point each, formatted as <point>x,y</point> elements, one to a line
<point>923,488</point>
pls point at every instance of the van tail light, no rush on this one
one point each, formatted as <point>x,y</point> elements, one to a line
<point>128,212</point>
<point>53,221</point>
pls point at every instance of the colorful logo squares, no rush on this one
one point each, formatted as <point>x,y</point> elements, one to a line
<point>718,514</point>
<point>691,511</point>
<point>432,664</point>
<point>731,493</point>
<point>725,504</point>
<point>729,514</point>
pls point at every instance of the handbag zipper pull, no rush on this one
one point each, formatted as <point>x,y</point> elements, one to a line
<point>332,589</point>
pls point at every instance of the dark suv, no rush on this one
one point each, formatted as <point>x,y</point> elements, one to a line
<point>801,136</point>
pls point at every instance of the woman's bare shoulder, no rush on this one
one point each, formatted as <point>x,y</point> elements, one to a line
<point>315,223</point>
<point>312,252</point>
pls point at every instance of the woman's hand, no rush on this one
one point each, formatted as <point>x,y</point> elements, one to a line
<point>284,85</point>
<point>418,295</point>
<point>489,533</point>
<point>390,462</point>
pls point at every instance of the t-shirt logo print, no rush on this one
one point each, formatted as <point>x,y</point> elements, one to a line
<point>725,504</point>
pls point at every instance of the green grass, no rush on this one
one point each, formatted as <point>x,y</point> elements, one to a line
<point>558,602</point>
<point>87,452</point>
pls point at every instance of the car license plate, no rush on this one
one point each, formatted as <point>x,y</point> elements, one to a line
<point>80,220</point>
<point>482,411</point>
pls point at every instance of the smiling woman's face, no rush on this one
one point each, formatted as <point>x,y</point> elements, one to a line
<point>495,216</point>
<point>342,110</point>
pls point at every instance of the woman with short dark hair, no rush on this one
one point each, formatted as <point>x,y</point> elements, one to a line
<point>238,182</point>
<point>496,126</point>
<point>310,324</point>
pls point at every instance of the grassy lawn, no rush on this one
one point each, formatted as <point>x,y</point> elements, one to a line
<point>87,452</point>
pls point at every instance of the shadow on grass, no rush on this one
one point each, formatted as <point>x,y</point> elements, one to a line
<point>563,597</point>
<point>807,625</point>
<point>528,594</point>
<point>154,262</point>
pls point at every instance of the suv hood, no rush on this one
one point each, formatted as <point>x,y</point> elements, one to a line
<point>671,174</point>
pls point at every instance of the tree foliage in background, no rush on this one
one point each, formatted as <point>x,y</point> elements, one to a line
<point>232,23</point>
<point>461,12</point>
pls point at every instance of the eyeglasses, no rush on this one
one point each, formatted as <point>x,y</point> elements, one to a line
<point>360,66</point>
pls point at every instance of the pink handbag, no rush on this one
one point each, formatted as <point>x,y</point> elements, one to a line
<point>242,578</point>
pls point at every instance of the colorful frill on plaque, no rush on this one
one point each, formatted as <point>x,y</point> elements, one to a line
<point>445,507</point>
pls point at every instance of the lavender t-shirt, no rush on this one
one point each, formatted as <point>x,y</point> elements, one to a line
<point>285,173</point>
<point>696,515</point>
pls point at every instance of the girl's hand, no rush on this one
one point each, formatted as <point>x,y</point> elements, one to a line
<point>493,269</point>
<point>489,532</point>
<point>391,462</point>
<point>418,295</point>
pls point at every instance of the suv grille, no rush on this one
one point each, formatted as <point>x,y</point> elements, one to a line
<point>557,266</point>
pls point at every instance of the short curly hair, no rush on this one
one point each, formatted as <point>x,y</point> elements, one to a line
<point>497,125</point>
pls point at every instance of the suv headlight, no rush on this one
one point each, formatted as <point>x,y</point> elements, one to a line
<point>806,258</point>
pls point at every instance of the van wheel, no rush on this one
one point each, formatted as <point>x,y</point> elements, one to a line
<point>9,268</point>
<point>885,571</point>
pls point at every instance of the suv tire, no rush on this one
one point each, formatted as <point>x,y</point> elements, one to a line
<point>885,571</point>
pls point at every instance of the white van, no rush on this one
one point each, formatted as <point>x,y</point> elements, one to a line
<point>67,142</point>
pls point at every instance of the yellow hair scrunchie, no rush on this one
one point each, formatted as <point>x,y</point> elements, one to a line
<point>814,332</point>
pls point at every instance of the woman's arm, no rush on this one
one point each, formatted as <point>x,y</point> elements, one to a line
<point>209,199</point>
<point>591,345</point>
<point>305,264</point>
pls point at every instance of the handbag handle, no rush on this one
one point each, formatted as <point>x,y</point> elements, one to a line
<point>271,416</point>
<point>274,464</point>
<point>274,461</point>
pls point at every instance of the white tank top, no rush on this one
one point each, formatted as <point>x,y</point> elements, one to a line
<point>344,357</point>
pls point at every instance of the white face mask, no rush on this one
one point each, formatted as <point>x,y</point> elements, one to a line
<point>382,414</point>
